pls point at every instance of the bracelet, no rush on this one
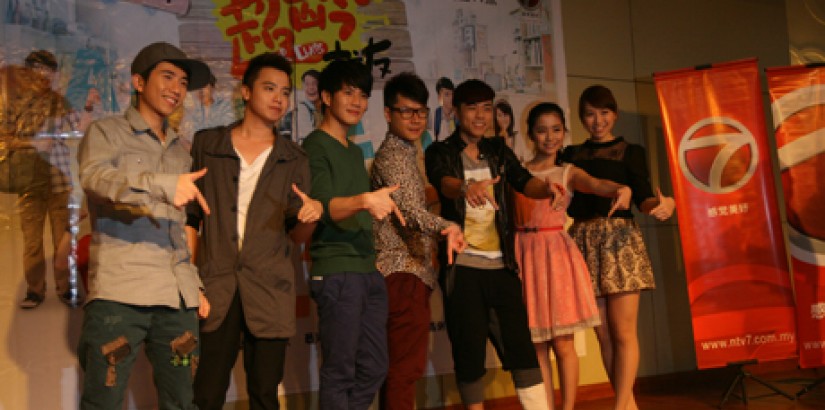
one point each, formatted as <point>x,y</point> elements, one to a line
<point>465,185</point>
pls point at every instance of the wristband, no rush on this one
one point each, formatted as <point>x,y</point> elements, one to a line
<point>465,185</point>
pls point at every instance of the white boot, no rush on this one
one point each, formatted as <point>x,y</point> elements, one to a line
<point>533,397</point>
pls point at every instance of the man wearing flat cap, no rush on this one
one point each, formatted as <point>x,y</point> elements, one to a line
<point>143,288</point>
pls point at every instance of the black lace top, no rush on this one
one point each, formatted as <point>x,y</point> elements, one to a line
<point>616,160</point>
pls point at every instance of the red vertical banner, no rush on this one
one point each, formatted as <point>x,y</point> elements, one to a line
<point>798,105</point>
<point>738,282</point>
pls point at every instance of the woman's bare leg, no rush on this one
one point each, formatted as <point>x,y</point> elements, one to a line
<point>543,355</point>
<point>568,365</point>
<point>623,318</point>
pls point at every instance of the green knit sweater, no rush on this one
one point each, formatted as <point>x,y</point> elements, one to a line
<point>339,171</point>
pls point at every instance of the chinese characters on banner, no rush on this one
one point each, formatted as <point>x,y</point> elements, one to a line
<point>798,105</point>
<point>508,43</point>
<point>737,274</point>
<point>308,33</point>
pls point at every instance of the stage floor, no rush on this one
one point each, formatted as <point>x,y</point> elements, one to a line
<point>705,389</point>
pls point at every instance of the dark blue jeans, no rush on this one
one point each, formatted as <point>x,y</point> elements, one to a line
<point>352,322</point>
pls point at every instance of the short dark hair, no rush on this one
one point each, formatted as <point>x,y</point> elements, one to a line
<point>444,83</point>
<point>598,96</point>
<point>505,107</point>
<point>43,57</point>
<point>259,62</point>
<point>407,85</point>
<point>311,73</point>
<point>339,73</point>
<point>472,92</point>
<point>542,109</point>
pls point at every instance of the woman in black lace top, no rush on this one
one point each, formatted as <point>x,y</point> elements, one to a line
<point>613,247</point>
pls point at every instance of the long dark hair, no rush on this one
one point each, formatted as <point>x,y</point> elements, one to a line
<point>541,109</point>
<point>504,106</point>
<point>536,113</point>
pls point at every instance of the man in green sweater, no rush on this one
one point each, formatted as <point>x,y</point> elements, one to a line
<point>345,284</point>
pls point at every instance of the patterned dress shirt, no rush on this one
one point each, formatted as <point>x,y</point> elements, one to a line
<point>407,248</point>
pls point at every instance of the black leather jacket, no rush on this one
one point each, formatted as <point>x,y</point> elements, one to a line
<point>443,159</point>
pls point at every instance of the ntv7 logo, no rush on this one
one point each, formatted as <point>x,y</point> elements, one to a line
<point>718,155</point>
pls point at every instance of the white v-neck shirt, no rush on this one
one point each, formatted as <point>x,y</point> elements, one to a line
<point>247,180</point>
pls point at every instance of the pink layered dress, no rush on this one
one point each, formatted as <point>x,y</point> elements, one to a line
<point>557,289</point>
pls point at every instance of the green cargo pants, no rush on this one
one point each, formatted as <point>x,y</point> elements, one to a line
<point>113,332</point>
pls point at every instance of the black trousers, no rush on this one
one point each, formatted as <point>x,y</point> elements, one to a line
<point>263,362</point>
<point>481,304</point>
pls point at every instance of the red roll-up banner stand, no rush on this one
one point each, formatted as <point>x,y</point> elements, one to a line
<point>798,105</point>
<point>739,287</point>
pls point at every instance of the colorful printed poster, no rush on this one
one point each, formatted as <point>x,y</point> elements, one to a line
<point>510,44</point>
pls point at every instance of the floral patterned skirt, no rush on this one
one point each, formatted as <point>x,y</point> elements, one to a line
<point>615,253</point>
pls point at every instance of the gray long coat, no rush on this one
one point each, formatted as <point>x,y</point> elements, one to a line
<point>262,271</point>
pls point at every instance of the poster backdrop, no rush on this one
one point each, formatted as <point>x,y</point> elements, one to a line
<point>508,43</point>
<point>798,105</point>
<point>738,282</point>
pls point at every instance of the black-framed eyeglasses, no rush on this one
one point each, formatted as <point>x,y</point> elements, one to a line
<point>407,113</point>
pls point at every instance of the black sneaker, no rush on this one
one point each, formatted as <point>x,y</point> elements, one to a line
<point>31,301</point>
<point>66,298</point>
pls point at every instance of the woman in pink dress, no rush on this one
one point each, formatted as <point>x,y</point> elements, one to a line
<point>557,287</point>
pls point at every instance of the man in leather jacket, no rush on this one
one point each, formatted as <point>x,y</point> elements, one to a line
<point>482,291</point>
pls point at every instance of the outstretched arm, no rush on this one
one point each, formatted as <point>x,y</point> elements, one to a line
<point>661,207</point>
<point>396,168</point>
<point>308,215</point>
<point>378,203</point>
<point>102,176</point>
<point>455,241</point>
<point>582,181</point>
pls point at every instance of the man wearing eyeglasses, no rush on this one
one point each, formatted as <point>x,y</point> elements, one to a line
<point>405,253</point>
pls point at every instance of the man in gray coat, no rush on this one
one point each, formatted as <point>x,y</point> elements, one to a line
<point>255,187</point>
